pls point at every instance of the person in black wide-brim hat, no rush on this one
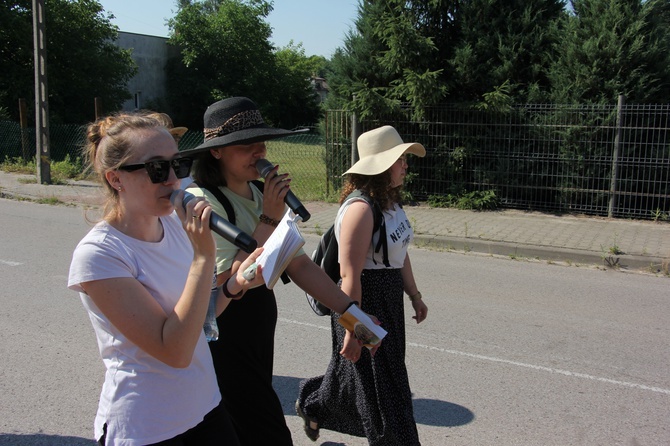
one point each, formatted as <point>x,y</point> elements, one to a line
<point>235,121</point>
<point>225,172</point>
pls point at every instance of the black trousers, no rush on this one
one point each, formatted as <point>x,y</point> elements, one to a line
<point>243,358</point>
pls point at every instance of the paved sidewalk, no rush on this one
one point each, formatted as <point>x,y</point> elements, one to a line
<point>626,244</point>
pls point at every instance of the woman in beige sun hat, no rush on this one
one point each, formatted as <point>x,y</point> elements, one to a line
<point>360,394</point>
<point>164,119</point>
<point>378,149</point>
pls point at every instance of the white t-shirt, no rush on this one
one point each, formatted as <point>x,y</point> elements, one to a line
<point>143,400</point>
<point>399,234</point>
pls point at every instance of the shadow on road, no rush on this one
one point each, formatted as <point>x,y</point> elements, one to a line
<point>426,411</point>
<point>43,440</point>
<point>441,413</point>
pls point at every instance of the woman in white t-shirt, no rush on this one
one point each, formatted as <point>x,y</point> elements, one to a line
<point>144,274</point>
<point>361,394</point>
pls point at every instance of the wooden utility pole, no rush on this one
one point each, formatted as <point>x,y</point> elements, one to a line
<point>97,103</point>
<point>41,97</point>
<point>23,123</point>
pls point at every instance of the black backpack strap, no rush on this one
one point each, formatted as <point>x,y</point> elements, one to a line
<point>221,198</point>
<point>383,241</point>
<point>228,206</point>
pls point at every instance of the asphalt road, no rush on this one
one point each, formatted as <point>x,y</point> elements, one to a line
<point>512,353</point>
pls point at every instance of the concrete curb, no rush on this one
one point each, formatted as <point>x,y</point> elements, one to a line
<point>549,253</point>
<point>511,226</point>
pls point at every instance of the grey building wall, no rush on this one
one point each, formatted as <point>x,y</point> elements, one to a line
<point>150,53</point>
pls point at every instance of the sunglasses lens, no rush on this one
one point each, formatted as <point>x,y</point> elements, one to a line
<point>182,167</point>
<point>158,171</point>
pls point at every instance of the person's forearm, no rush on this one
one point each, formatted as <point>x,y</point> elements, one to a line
<point>184,325</point>
<point>409,282</point>
<point>313,280</point>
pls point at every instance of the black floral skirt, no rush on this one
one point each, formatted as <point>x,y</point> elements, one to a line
<point>370,398</point>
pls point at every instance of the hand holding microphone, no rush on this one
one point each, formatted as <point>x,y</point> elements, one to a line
<point>264,167</point>
<point>222,226</point>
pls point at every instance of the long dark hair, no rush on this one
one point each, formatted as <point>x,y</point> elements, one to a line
<point>376,186</point>
<point>206,170</point>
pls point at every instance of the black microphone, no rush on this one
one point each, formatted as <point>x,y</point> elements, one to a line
<point>223,227</point>
<point>264,167</point>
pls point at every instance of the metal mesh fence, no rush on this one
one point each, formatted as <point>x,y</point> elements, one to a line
<point>302,156</point>
<point>593,159</point>
<point>65,141</point>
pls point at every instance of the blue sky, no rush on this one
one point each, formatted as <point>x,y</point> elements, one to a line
<point>320,25</point>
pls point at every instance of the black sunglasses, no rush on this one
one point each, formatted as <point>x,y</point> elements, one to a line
<point>159,170</point>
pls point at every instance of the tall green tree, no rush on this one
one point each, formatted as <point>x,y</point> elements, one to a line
<point>422,52</point>
<point>82,60</point>
<point>505,42</point>
<point>357,71</point>
<point>296,103</point>
<point>613,47</point>
<point>396,54</point>
<point>226,51</point>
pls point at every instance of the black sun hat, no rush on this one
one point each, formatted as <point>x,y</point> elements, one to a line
<point>235,121</point>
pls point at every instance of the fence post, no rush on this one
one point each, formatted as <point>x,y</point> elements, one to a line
<point>355,133</point>
<point>23,124</point>
<point>615,159</point>
<point>43,161</point>
<point>97,102</point>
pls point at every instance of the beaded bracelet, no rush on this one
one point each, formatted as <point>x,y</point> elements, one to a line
<point>227,293</point>
<point>417,296</point>
<point>268,221</point>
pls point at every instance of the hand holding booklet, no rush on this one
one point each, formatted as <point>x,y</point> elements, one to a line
<point>358,322</point>
<point>280,248</point>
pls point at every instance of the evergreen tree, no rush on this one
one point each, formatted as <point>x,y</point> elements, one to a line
<point>613,47</point>
<point>422,52</point>
<point>395,55</point>
<point>504,42</point>
<point>356,71</point>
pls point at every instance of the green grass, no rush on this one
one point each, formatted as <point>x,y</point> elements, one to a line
<point>304,163</point>
<point>18,165</point>
<point>61,171</point>
<point>306,167</point>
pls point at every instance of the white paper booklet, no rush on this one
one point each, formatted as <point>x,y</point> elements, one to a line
<point>280,248</point>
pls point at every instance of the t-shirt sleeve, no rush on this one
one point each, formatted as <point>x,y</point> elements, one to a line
<point>225,250</point>
<point>97,259</point>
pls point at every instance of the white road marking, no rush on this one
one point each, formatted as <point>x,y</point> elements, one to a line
<point>514,363</point>
<point>544,369</point>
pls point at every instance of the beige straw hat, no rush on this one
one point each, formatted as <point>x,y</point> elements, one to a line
<point>165,120</point>
<point>380,148</point>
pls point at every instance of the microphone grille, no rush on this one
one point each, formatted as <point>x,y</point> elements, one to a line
<point>187,196</point>
<point>264,167</point>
